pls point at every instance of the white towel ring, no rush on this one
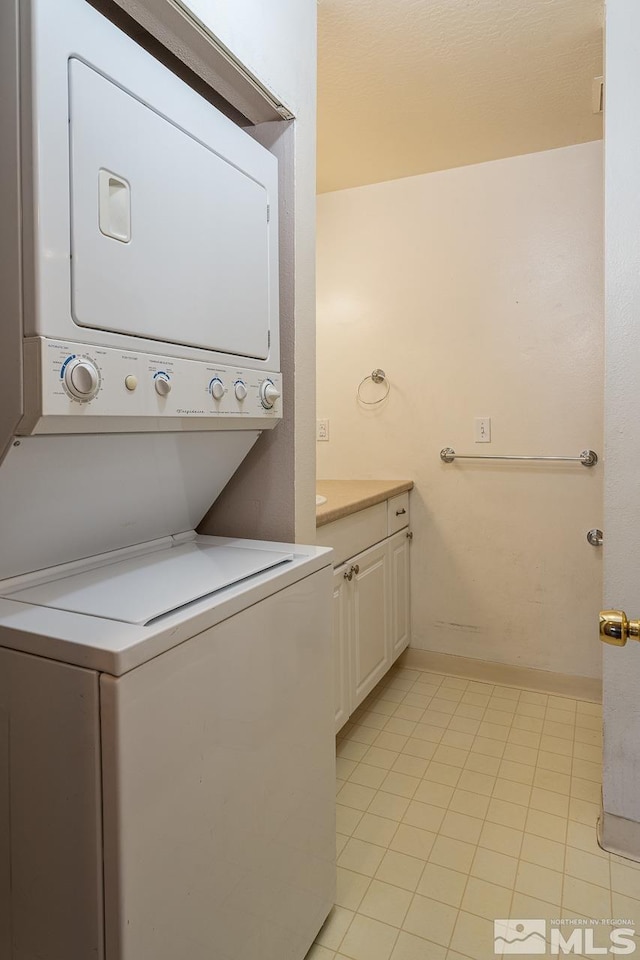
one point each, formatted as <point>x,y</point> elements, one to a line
<point>377,376</point>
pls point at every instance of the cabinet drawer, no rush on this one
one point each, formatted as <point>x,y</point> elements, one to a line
<point>354,533</point>
<point>397,513</point>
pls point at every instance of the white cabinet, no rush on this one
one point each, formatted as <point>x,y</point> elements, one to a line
<point>371,618</point>
<point>400,593</point>
<point>341,652</point>
<point>370,636</point>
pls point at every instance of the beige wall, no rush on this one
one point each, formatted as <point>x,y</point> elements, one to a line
<point>479,291</point>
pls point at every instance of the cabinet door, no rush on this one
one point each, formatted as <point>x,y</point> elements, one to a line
<point>400,593</point>
<point>342,615</point>
<point>371,650</point>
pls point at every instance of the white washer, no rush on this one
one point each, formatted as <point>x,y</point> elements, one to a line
<point>167,774</point>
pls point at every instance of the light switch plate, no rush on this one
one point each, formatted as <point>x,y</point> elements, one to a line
<point>482,429</point>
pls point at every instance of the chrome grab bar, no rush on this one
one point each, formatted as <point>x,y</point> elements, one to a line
<point>588,458</point>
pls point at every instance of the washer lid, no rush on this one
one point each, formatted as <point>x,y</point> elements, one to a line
<point>139,589</point>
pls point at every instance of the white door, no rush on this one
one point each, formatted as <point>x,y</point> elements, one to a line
<point>400,595</point>
<point>341,629</point>
<point>620,827</point>
<point>371,655</point>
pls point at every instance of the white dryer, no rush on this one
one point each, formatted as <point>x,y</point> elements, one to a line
<point>166,734</point>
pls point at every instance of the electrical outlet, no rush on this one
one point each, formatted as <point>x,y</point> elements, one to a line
<point>482,429</point>
<point>322,430</point>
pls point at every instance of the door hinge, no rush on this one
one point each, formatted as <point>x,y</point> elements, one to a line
<point>268,338</point>
<point>597,95</point>
<point>268,212</point>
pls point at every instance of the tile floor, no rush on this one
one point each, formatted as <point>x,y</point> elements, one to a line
<point>460,802</point>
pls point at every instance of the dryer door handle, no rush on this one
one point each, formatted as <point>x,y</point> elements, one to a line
<point>114,206</point>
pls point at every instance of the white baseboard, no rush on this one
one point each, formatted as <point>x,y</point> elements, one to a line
<point>619,835</point>
<point>544,681</point>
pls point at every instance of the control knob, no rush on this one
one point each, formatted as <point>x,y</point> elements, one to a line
<point>240,390</point>
<point>269,393</point>
<point>81,378</point>
<point>162,385</point>
<point>216,388</point>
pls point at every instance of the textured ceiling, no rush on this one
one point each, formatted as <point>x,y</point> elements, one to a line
<point>411,86</point>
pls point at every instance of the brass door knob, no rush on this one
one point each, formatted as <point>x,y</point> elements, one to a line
<point>616,628</point>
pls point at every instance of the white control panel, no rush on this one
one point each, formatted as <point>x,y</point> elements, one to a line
<point>126,389</point>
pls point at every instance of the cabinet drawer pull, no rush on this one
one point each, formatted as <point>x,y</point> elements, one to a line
<point>410,535</point>
<point>356,569</point>
<point>400,512</point>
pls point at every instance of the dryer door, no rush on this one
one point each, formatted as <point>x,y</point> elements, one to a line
<point>169,239</point>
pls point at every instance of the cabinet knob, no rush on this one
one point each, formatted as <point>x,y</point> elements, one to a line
<point>410,535</point>
<point>348,574</point>
<point>356,569</point>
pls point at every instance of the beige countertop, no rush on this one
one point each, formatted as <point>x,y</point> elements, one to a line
<point>348,496</point>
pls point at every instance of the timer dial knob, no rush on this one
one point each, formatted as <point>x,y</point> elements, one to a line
<point>269,393</point>
<point>162,385</point>
<point>81,378</point>
<point>240,390</point>
<point>217,389</point>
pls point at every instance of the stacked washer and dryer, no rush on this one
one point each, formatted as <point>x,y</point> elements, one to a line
<point>166,728</point>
